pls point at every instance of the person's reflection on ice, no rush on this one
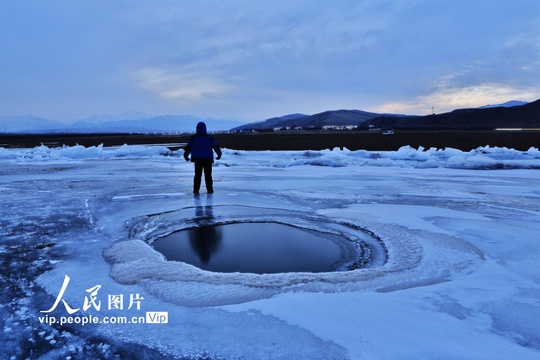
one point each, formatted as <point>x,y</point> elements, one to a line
<point>204,240</point>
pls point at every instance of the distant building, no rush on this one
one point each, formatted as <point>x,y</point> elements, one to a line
<point>339,127</point>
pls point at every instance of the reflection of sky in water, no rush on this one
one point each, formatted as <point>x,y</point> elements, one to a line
<point>257,248</point>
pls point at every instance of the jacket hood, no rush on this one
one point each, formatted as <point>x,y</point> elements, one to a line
<point>201,128</point>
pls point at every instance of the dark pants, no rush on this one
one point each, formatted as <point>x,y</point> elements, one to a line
<point>201,166</point>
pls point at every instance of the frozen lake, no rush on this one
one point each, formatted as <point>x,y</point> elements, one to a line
<point>456,277</point>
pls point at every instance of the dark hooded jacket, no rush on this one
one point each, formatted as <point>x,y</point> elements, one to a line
<point>200,146</point>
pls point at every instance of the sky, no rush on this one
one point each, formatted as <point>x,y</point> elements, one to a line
<point>252,60</point>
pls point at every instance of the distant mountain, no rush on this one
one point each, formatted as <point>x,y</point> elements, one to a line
<point>272,123</point>
<point>511,103</point>
<point>512,114</point>
<point>10,124</point>
<point>523,116</point>
<point>163,123</point>
<point>126,123</point>
<point>100,119</point>
<point>317,121</point>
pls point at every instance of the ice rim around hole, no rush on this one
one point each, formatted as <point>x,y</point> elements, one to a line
<point>396,252</point>
<point>370,249</point>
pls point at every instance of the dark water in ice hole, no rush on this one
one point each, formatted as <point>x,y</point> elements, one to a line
<point>260,248</point>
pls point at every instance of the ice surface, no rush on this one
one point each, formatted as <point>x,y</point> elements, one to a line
<point>459,230</point>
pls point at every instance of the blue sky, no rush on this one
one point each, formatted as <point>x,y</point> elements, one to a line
<point>257,59</point>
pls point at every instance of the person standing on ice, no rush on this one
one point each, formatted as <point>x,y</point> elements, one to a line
<point>200,147</point>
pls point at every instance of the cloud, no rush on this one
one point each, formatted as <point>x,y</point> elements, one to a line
<point>214,57</point>
<point>181,84</point>
<point>445,99</point>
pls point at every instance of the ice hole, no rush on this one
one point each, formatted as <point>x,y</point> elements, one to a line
<point>260,248</point>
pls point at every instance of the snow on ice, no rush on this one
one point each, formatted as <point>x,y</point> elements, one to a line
<point>455,239</point>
